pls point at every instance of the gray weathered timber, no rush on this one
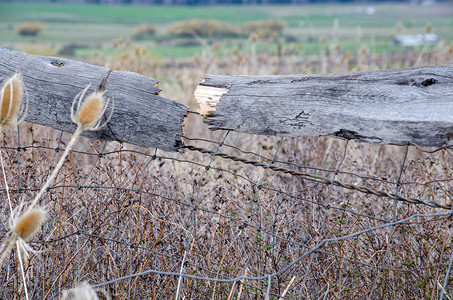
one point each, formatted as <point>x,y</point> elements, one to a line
<point>140,116</point>
<point>397,106</point>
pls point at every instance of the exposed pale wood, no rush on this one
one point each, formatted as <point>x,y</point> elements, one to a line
<point>208,97</point>
<point>140,117</point>
<point>388,106</point>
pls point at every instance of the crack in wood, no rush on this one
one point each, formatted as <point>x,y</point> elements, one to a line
<point>261,82</point>
<point>328,77</point>
<point>428,82</point>
<point>352,135</point>
<point>447,135</point>
<point>57,64</point>
<point>300,120</point>
<point>418,82</point>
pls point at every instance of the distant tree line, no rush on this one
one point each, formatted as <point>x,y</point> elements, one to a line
<point>207,2</point>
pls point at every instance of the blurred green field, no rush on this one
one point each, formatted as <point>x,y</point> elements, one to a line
<point>94,27</point>
<point>112,14</point>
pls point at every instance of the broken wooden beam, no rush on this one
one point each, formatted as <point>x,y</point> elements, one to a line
<point>396,106</point>
<point>140,117</point>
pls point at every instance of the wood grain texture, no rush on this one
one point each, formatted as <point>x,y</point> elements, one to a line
<point>397,106</point>
<point>140,116</point>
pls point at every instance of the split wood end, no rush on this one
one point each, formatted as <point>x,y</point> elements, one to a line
<point>208,97</point>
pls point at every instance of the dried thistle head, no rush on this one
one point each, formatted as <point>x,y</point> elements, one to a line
<point>90,110</point>
<point>11,98</point>
<point>29,223</point>
<point>22,228</point>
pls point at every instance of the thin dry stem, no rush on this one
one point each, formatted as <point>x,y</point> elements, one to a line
<point>60,164</point>
<point>6,247</point>
<point>287,288</point>
<point>4,178</point>
<point>22,270</point>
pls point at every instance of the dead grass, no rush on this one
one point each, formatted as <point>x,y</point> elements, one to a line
<point>118,209</point>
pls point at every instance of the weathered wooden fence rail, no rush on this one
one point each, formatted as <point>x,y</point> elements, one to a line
<point>140,117</point>
<point>388,106</point>
<point>398,106</point>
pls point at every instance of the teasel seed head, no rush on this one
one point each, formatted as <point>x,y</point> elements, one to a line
<point>90,110</point>
<point>29,223</point>
<point>11,100</point>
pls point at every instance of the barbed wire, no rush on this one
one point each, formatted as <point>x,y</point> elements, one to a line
<point>292,163</point>
<point>107,153</point>
<point>315,178</point>
<point>322,179</point>
<point>263,281</point>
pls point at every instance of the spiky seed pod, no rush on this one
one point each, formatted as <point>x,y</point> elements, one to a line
<point>22,230</point>
<point>29,223</point>
<point>91,110</point>
<point>11,95</point>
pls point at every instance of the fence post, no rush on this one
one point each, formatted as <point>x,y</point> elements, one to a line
<point>398,106</point>
<point>140,116</point>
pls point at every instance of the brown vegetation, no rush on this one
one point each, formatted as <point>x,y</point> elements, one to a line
<point>214,28</point>
<point>30,28</point>
<point>264,29</point>
<point>144,30</point>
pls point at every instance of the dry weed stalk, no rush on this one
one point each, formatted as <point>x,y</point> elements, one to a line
<point>87,116</point>
<point>22,229</point>
<point>11,107</point>
<point>11,100</point>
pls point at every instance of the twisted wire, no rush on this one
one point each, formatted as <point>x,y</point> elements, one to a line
<point>321,179</point>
